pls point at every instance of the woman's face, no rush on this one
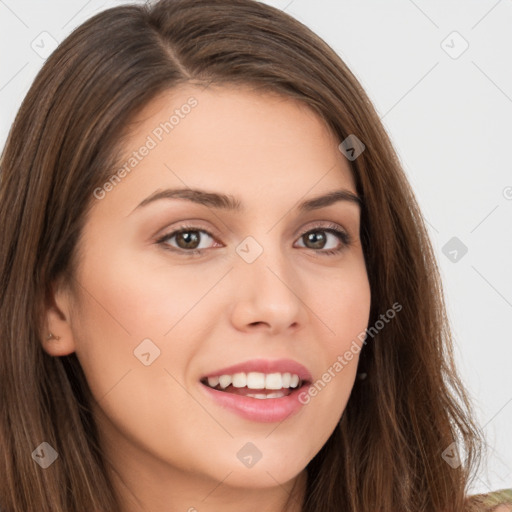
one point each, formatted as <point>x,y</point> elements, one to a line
<point>156,312</point>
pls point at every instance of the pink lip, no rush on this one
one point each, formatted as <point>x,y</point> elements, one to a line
<point>266,410</point>
<point>265,366</point>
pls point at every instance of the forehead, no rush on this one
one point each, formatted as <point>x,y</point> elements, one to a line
<point>234,139</point>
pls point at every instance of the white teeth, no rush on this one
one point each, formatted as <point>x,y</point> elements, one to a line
<point>256,380</point>
<point>239,380</point>
<point>225,381</point>
<point>273,381</point>
<point>213,381</point>
<point>277,394</point>
<point>263,396</point>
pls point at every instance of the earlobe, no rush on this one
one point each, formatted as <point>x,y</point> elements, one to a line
<point>57,337</point>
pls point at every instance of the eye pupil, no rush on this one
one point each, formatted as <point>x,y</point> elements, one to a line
<point>189,237</point>
<point>316,239</point>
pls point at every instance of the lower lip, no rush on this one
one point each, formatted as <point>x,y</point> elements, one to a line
<point>266,410</point>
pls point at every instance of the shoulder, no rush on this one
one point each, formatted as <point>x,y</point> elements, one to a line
<point>497,501</point>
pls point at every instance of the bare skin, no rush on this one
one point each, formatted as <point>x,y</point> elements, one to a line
<point>170,445</point>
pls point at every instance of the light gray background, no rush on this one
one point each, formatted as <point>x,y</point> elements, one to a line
<point>449,115</point>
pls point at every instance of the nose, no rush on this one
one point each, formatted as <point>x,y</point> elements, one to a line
<point>267,295</point>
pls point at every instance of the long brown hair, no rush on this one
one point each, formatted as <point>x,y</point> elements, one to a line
<point>387,452</point>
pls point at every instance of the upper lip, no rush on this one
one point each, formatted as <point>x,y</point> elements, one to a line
<point>265,366</point>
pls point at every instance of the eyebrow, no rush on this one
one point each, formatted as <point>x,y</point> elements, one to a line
<point>228,202</point>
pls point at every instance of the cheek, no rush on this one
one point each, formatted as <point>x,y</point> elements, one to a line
<point>134,309</point>
<point>343,305</point>
<point>129,309</point>
<point>348,315</point>
<point>343,300</point>
<point>138,295</point>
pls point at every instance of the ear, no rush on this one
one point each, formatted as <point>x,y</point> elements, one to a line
<point>58,321</point>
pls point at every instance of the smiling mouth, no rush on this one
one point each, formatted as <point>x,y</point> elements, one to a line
<point>255,384</point>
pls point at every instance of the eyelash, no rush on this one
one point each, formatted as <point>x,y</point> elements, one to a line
<point>343,236</point>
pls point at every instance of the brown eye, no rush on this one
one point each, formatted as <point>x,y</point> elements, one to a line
<point>318,239</point>
<point>187,239</point>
